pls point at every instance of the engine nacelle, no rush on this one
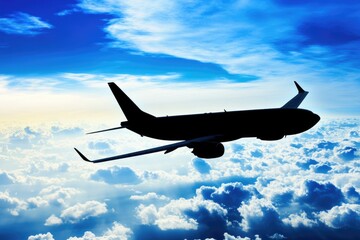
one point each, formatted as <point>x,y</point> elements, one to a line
<point>208,150</point>
<point>271,137</point>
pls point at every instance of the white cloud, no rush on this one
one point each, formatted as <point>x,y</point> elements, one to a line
<point>117,232</point>
<point>173,216</point>
<point>24,24</point>
<point>257,212</point>
<point>53,220</point>
<point>46,236</point>
<point>82,211</point>
<point>149,197</point>
<point>175,28</point>
<point>298,220</point>
<point>11,205</point>
<point>344,216</point>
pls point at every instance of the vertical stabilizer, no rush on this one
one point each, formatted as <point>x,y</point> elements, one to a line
<point>132,112</point>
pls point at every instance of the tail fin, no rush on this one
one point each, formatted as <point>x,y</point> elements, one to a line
<point>132,112</point>
<point>296,101</point>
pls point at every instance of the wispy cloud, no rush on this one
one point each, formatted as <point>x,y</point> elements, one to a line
<point>23,24</point>
<point>242,36</point>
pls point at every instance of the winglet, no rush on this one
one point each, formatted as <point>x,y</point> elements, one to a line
<point>296,101</point>
<point>82,156</point>
<point>299,88</point>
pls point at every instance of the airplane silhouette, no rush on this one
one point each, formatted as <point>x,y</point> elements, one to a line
<point>204,133</point>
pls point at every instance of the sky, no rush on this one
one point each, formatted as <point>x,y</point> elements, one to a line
<point>177,57</point>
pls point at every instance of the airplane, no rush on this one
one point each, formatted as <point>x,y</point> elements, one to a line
<point>205,133</point>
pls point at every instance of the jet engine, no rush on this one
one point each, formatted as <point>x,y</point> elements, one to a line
<point>271,137</point>
<point>208,150</point>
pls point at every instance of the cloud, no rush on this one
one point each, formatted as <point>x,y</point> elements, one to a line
<point>53,220</point>
<point>52,195</point>
<point>116,175</point>
<point>321,196</point>
<point>201,166</point>
<point>11,205</point>
<point>117,231</point>
<point>82,211</point>
<point>258,213</point>
<point>149,197</point>
<point>352,195</point>
<point>299,220</point>
<point>46,236</point>
<point>306,165</point>
<point>322,168</point>
<point>344,216</point>
<point>231,237</point>
<point>6,179</point>
<point>23,24</point>
<point>281,194</point>
<point>347,153</point>
<point>230,195</point>
<point>186,214</point>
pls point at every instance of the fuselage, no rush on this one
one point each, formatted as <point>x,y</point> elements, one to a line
<point>266,124</point>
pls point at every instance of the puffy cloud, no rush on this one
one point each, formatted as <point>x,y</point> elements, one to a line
<point>52,195</point>
<point>354,134</point>
<point>257,153</point>
<point>58,131</point>
<point>306,165</point>
<point>327,145</point>
<point>344,216</point>
<point>46,236</point>
<point>347,153</point>
<point>322,168</point>
<point>6,179</point>
<point>82,211</point>
<point>149,197</point>
<point>11,204</point>
<point>23,23</point>
<point>321,196</point>
<point>116,175</point>
<point>352,195</point>
<point>258,213</point>
<point>298,220</point>
<point>231,237</point>
<point>117,232</point>
<point>183,214</point>
<point>53,220</point>
<point>201,166</point>
<point>277,236</point>
<point>230,195</point>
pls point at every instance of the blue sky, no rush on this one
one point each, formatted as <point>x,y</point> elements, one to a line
<point>176,57</point>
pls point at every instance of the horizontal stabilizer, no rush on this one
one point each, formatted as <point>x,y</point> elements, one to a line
<point>166,148</point>
<point>105,130</point>
<point>297,100</point>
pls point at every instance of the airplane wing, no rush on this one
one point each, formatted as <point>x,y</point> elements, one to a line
<point>296,101</point>
<point>167,148</point>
